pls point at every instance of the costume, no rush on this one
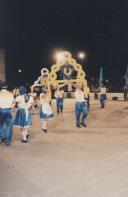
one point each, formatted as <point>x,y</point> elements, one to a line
<point>103,96</point>
<point>45,110</point>
<point>59,95</point>
<point>6,119</point>
<point>23,117</point>
<point>80,108</point>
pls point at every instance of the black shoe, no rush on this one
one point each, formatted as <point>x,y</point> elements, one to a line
<point>7,143</point>
<point>27,136</point>
<point>84,125</point>
<point>3,140</point>
<point>24,141</point>
<point>45,130</point>
<point>102,105</point>
<point>77,125</point>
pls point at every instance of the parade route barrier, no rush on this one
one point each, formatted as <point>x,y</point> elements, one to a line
<point>110,96</point>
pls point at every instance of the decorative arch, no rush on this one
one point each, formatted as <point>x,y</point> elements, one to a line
<point>50,80</point>
<point>61,60</point>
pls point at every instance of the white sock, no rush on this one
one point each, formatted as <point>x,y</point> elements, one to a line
<point>23,133</point>
<point>44,125</point>
<point>26,131</point>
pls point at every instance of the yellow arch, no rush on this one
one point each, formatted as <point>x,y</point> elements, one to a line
<point>67,56</point>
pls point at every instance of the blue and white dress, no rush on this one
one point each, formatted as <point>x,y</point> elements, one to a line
<point>23,117</point>
<point>45,109</point>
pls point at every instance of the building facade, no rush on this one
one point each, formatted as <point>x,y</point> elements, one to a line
<point>2,65</point>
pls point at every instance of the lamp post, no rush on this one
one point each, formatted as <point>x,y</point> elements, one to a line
<point>101,78</point>
<point>126,78</point>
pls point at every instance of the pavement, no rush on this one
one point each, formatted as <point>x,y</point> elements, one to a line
<point>69,161</point>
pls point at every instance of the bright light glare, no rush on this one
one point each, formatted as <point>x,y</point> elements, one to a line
<point>81,55</point>
<point>19,70</point>
<point>59,56</point>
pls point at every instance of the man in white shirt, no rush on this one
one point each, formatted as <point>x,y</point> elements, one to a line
<point>103,96</point>
<point>6,103</point>
<point>80,108</point>
<point>59,95</point>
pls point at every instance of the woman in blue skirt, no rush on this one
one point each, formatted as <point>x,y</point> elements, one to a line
<point>23,118</point>
<point>45,109</point>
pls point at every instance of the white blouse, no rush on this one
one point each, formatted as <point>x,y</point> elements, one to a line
<point>59,94</point>
<point>6,99</point>
<point>21,102</point>
<point>79,96</point>
<point>103,90</point>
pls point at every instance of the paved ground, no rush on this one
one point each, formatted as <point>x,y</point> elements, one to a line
<point>70,162</point>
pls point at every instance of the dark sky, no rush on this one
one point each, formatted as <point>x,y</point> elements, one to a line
<point>32,30</point>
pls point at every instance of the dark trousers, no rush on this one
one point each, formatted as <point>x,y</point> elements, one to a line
<point>81,112</point>
<point>6,123</point>
<point>103,98</point>
<point>59,105</point>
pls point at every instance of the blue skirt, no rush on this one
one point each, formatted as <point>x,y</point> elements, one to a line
<point>23,118</point>
<point>46,112</point>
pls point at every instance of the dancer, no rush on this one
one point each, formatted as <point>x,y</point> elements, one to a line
<point>45,109</point>
<point>80,108</point>
<point>59,95</point>
<point>103,96</point>
<point>23,117</point>
<point>6,119</point>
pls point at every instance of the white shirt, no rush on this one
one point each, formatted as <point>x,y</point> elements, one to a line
<point>44,98</point>
<point>59,94</point>
<point>79,96</point>
<point>21,102</point>
<point>6,99</point>
<point>34,94</point>
<point>103,90</point>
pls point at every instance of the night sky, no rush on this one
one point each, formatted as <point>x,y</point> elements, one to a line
<point>31,31</point>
